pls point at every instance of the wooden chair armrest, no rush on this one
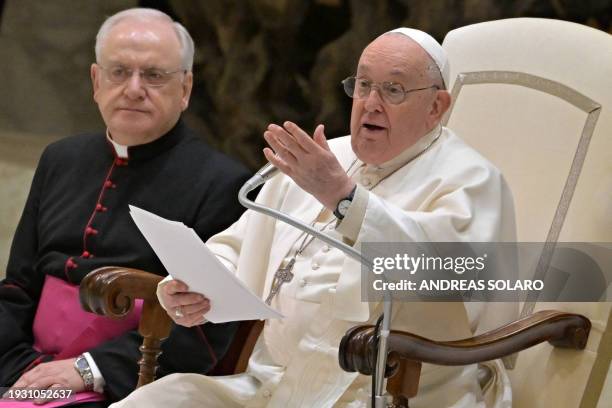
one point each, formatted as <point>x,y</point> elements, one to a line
<point>358,346</point>
<point>111,291</point>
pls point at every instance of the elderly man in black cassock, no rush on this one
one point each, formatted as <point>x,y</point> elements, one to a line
<point>76,218</point>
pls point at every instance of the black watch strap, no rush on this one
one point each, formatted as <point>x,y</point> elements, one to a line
<point>343,204</point>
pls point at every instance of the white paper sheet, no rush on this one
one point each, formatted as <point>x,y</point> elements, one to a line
<point>188,259</point>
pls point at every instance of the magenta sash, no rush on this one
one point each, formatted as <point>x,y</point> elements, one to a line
<point>62,328</point>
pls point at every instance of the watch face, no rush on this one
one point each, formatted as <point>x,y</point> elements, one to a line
<point>343,206</point>
<point>82,364</point>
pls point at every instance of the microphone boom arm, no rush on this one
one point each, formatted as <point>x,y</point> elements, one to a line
<point>260,178</point>
<point>242,198</point>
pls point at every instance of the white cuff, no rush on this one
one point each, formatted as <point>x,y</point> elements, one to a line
<point>160,285</point>
<point>99,382</point>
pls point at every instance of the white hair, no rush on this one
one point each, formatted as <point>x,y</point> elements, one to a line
<point>433,72</point>
<point>187,47</point>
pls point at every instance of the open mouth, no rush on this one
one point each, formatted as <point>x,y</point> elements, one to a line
<point>373,128</point>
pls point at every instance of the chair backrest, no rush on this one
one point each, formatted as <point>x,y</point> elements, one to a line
<point>534,96</point>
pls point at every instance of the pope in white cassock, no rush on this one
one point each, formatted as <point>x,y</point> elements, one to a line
<point>399,176</point>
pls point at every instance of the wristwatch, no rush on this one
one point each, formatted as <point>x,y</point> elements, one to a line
<point>344,204</point>
<point>82,367</point>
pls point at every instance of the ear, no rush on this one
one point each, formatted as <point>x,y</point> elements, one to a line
<point>187,86</point>
<point>95,73</point>
<point>439,107</point>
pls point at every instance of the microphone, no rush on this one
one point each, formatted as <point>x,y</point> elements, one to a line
<point>268,171</point>
<point>264,174</point>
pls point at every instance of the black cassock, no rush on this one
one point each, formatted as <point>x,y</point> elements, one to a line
<point>76,219</point>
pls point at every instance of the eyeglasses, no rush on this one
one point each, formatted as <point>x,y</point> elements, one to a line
<point>153,77</point>
<point>390,92</point>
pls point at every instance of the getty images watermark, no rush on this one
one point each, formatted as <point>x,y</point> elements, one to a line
<point>478,271</point>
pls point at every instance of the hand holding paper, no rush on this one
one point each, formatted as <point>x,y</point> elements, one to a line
<point>185,308</point>
<point>188,259</point>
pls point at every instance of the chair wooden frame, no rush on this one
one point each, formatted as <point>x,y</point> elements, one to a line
<point>112,291</point>
<point>407,352</point>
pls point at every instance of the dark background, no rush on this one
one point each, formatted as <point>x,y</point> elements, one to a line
<point>257,61</point>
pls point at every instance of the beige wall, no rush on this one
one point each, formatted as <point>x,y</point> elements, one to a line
<point>45,92</point>
<point>19,153</point>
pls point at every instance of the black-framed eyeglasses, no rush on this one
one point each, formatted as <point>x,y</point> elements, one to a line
<point>390,92</point>
<point>153,77</point>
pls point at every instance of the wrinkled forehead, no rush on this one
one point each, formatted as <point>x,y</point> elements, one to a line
<point>394,56</point>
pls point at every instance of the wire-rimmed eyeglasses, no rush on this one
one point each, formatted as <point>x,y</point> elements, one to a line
<point>390,92</point>
<point>153,77</point>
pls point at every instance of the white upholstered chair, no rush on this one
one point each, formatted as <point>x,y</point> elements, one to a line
<point>535,97</point>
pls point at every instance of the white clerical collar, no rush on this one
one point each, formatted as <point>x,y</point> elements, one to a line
<point>407,155</point>
<point>120,150</point>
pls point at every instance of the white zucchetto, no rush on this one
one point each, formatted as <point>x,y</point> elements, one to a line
<point>431,47</point>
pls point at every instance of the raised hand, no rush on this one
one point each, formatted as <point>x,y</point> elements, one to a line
<point>308,161</point>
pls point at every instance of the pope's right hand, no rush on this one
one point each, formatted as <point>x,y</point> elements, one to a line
<point>185,308</point>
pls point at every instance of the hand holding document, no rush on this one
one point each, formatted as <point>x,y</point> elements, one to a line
<point>188,259</point>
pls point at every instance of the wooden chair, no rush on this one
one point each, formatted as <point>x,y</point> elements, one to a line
<point>534,97</point>
<point>112,291</point>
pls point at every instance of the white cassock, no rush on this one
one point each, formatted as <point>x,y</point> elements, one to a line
<point>440,189</point>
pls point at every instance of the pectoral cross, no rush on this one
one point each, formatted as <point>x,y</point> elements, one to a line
<point>281,276</point>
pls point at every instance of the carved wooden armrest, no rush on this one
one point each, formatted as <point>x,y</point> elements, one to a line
<point>408,351</point>
<point>111,292</point>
